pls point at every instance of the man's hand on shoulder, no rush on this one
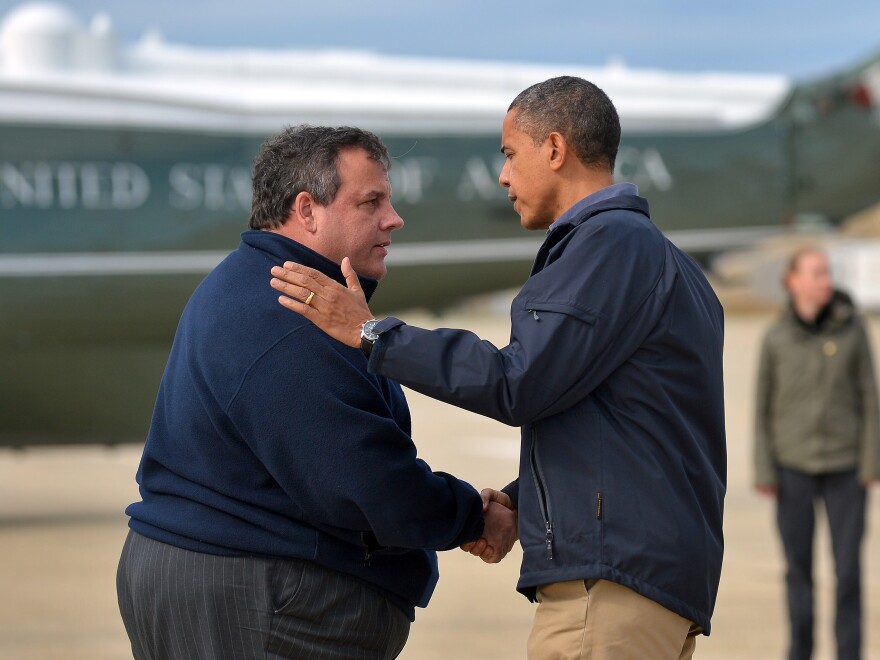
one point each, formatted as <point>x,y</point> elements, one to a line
<point>335,309</point>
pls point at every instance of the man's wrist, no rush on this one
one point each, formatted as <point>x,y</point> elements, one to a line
<point>368,335</point>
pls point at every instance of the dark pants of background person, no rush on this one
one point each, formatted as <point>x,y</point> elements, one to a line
<point>181,604</point>
<point>844,499</point>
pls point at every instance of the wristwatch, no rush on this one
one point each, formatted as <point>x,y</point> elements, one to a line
<point>368,336</point>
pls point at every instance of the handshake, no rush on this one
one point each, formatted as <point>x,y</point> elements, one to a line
<point>499,531</point>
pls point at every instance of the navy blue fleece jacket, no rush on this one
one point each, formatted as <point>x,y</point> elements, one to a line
<point>271,439</point>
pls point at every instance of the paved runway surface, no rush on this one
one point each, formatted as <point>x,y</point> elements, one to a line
<point>62,526</point>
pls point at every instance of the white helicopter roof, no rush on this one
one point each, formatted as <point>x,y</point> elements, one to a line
<point>53,70</point>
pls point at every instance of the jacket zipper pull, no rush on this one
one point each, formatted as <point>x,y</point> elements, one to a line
<point>367,555</point>
<point>535,314</point>
<point>599,506</point>
<point>549,541</point>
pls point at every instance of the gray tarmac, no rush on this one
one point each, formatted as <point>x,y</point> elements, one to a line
<point>62,527</point>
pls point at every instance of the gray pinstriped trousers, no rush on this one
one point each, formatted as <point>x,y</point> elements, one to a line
<point>183,605</point>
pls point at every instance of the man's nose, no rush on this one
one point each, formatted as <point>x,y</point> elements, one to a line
<point>392,221</point>
<point>504,178</point>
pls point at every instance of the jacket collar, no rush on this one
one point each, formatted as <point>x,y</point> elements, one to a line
<point>601,195</point>
<point>833,316</point>
<point>281,249</point>
<point>558,231</point>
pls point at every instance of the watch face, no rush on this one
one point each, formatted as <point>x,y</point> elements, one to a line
<point>368,330</point>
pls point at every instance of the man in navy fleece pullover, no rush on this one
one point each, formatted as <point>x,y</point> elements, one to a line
<point>284,512</point>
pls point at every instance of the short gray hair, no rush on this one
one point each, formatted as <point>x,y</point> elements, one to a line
<point>578,110</point>
<point>303,159</point>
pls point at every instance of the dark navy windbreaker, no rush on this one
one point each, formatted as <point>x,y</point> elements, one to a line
<point>270,438</point>
<point>614,373</point>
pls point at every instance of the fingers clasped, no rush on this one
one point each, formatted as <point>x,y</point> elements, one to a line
<point>500,528</point>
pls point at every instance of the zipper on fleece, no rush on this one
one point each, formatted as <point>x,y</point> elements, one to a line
<point>541,489</point>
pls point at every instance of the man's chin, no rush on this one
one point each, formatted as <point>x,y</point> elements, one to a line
<point>374,271</point>
<point>533,224</point>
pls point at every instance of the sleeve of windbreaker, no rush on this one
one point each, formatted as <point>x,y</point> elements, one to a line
<point>765,465</point>
<point>869,460</point>
<point>512,491</point>
<point>572,325</point>
<point>324,431</point>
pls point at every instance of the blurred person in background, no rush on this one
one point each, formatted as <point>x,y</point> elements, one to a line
<point>817,437</point>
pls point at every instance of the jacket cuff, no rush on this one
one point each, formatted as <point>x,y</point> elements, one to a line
<point>378,352</point>
<point>512,491</point>
<point>473,528</point>
<point>767,479</point>
<point>868,473</point>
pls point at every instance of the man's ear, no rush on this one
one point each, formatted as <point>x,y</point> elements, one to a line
<point>302,212</point>
<point>557,150</point>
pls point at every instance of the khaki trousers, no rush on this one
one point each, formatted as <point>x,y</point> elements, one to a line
<point>602,620</point>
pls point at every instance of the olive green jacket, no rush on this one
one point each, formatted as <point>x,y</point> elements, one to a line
<point>816,406</point>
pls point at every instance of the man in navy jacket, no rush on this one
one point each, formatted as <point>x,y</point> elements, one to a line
<point>614,374</point>
<point>284,512</point>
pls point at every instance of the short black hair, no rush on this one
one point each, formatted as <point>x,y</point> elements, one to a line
<point>578,110</point>
<point>303,159</point>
